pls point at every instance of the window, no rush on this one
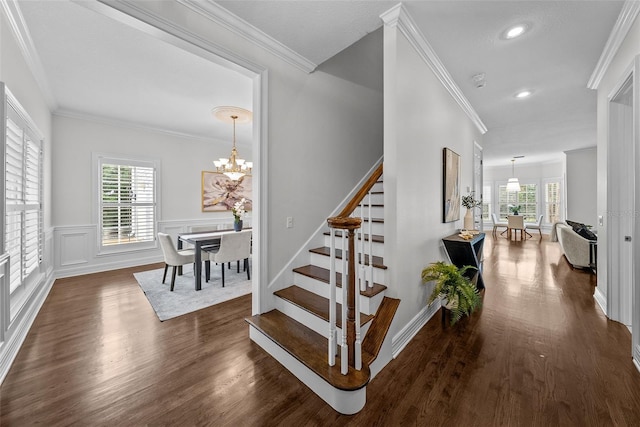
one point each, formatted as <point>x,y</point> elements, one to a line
<point>486,203</point>
<point>23,195</point>
<point>127,204</point>
<point>526,198</point>
<point>552,202</point>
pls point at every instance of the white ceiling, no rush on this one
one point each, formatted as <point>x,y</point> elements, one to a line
<point>97,66</point>
<point>555,59</point>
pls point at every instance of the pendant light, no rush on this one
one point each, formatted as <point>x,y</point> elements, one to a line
<point>513,184</point>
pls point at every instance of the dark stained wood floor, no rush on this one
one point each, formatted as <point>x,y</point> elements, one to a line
<point>539,353</point>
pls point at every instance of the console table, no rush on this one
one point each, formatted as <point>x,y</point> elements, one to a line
<point>467,252</point>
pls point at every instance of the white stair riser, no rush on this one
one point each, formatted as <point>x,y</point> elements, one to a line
<point>367,305</point>
<point>345,402</point>
<point>310,320</point>
<point>376,199</point>
<point>376,228</point>
<point>378,186</point>
<point>376,212</point>
<point>325,261</point>
<point>376,247</point>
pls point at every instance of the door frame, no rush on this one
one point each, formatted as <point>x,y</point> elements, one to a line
<point>615,294</point>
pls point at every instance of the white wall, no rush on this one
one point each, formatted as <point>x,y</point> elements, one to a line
<point>421,118</point>
<point>581,186</point>
<point>622,60</point>
<point>324,133</point>
<point>17,76</point>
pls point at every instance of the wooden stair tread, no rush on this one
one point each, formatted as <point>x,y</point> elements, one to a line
<point>322,274</point>
<point>377,238</point>
<point>378,220</point>
<point>373,206</point>
<point>315,304</point>
<point>309,348</point>
<point>378,262</point>
<point>377,192</point>
<point>372,342</point>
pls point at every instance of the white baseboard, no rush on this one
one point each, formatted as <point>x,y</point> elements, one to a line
<point>108,266</point>
<point>9,349</point>
<point>402,338</point>
<point>636,357</point>
<point>601,300</point>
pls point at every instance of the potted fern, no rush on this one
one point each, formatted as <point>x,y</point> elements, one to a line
<point>460,296</point>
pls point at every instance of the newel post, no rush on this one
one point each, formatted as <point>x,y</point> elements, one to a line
<point>349,224</point>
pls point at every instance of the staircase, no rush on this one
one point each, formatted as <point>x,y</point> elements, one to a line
<point>296,331</point>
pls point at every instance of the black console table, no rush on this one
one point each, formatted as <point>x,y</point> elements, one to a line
<point>467,252</point>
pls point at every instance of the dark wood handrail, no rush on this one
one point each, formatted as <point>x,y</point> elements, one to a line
<point>364,190</point>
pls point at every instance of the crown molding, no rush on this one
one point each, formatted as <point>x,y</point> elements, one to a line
<point>134,126</point>
<point>25,44</point>
<point>221,16</point>
<point>628,14</point>
<point>398,17</point>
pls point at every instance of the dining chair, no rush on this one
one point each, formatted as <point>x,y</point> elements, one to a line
<point>497,224</point>
<point>233,247</point>
<point>516,222</point>
<point>536,226</point>
<point>173,257</point>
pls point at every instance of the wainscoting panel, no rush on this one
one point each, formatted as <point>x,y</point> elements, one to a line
<point>74,248</point>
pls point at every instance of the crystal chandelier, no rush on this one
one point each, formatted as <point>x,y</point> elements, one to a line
<point>233,166</point>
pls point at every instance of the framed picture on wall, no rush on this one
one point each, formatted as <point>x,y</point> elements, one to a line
<point>451,187</point>
<point>219,193</point>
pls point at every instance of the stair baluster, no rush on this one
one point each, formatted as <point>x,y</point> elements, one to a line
<point>332,302</point>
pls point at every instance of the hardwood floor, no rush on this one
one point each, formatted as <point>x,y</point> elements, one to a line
<point>540,352</point>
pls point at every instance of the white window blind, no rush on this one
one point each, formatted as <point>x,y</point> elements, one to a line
<point>127,202</point>
<point>23,195</point>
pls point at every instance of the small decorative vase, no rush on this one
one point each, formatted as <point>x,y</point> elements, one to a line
<point>468,220</point>
<point>237,225</point>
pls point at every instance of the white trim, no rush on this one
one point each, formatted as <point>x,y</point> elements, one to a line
<point>239,26</point>
<point>411,329</point>
<point>133,14</point>
<point>25,44</point>
<point>9,349</point>
<point>601,300</point>
<point>398,17</point>
<point>628,14</point>
<point>134,126</point>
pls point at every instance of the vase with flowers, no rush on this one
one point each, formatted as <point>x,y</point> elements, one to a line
<point>470,202</point>
<point>238,212</point>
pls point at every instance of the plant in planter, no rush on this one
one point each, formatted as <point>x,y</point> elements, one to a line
<point>462,297</point>
<point>238,212</point>
<point>470,202</point>
<point>515,209</point>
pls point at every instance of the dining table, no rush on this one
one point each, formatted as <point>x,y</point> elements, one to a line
<point>200,240</point>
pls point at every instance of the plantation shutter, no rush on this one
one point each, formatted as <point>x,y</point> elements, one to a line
<point>127,203</point>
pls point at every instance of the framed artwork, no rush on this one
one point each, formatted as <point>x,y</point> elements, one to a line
<point>451,187</point>
<point>219,193</point>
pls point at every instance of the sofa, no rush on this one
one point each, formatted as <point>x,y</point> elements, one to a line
<point>575,247</point>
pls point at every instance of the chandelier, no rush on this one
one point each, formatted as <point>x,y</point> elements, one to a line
<point>513,184</point>
<point>233,166</point>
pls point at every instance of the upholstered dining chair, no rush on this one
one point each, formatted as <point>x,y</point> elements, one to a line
<point>516,222</point>
<point>233,247</point>
<point>173,257</point>
<point>536,226</point>
<point>497,224</point>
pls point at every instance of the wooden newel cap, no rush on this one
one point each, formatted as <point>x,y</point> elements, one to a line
<point>344,223</point>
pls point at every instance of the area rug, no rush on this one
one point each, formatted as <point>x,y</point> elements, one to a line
<point>184,298</point>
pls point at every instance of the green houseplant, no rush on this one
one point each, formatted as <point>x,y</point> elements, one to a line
<point>515,209</point>
<point>462,296</point>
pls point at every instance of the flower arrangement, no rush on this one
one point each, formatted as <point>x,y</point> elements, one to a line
<point>238,210</point>
<point>470,202</point>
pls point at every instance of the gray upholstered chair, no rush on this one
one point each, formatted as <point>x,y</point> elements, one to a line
<point>173,257</point>
<point>536,226</point>
<point>497,224</point>
<point>233,247</point>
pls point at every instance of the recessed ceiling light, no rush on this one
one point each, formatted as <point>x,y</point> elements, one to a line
<point>515,31</point>
<point>523,94</point>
